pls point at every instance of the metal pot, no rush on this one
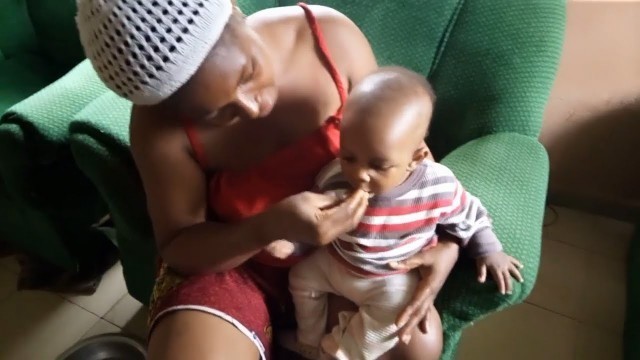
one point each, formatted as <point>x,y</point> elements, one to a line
<point>106,347</point>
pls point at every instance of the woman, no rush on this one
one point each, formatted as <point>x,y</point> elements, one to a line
<point>233,119</point>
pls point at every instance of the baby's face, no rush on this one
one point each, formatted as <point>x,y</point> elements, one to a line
<point>373,172</point>
<point>375,156</point>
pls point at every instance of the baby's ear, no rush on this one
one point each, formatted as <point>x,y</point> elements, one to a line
<point>419,156</point>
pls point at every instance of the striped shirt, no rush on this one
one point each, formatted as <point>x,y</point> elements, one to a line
<point>402,222</point>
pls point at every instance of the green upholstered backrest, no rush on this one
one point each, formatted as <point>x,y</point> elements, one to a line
<point>55,28</point>
<point>16,33</point>
<point>491,62</point>
<point>41,27</point>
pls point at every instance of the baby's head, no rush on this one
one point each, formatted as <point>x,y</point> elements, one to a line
<point>385,121</point>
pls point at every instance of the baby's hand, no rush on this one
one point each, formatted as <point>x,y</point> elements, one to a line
<point>280,249</point>
<point>502,268</point>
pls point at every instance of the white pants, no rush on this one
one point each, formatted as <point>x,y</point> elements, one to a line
<point>367,334</point>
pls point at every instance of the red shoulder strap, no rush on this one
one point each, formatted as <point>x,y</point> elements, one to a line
<point>325,55</point>
<point>196,144</point>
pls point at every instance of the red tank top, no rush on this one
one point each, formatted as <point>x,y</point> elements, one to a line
<point>235,195</point>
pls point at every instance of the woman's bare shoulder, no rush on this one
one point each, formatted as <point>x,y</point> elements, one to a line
<point>349,47</point>
<point>151,132</point>
<point>288,18</point>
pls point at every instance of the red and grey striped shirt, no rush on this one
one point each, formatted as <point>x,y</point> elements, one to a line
<point>401,222</point>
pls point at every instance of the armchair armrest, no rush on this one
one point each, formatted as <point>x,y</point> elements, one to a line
<point>99,138</point>
<point>38,170</point>
<point>509,173</point>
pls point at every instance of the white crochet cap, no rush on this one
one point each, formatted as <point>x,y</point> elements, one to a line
<point>145,50</point>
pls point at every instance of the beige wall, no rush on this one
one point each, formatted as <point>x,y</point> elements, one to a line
<point>592,123</point>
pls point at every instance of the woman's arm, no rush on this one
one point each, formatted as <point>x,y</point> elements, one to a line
<point>175,188</point>
<point>435,266</point>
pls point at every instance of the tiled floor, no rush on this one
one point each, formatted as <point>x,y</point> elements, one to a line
<point>39,325</point>
<point>575,312</point>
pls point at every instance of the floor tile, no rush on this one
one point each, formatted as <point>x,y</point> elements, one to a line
<point>8,281</point>
<point>112,288</point>
<point>38,325</point>
<point>138,325</point>
<point>600,235</point>
<point>123,311</point>
<point>604,298</point>
<point>523,332</point>
<point>101,327</point>
<point>562,279</point>
<point>596,344</point>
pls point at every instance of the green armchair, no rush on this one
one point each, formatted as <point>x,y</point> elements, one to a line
<point>47,205</point>
<point>492,64</point>
<point>38,44</point>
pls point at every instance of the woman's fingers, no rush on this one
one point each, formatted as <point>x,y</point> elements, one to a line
<point>322,201</point>
<point>416,312</point>
<point>424,324</point>
<point>423,258</point>
<point>419,314</point>
<point>344,216</point>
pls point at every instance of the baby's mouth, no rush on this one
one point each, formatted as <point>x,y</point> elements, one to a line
<point>369,192</point>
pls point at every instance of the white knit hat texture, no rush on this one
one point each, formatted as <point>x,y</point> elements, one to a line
<point>145,50</point>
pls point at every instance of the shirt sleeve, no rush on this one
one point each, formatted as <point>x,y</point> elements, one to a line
<point>466,218</point>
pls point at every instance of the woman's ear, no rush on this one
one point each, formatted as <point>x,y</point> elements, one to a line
<point>419,156</point>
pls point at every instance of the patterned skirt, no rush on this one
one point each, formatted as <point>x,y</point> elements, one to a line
<point>253,297</point>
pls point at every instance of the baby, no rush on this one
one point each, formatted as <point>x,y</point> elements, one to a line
<point>383,152</point>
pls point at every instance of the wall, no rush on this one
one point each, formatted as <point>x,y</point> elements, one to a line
<point>592,123</point>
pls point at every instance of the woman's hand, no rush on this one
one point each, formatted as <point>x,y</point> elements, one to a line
<point>435,265</point>
<point>316,219</point>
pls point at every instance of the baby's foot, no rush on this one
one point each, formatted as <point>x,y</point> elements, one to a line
<point>289,341</point>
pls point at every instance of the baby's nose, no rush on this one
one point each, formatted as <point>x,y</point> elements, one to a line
<point>363,176</point>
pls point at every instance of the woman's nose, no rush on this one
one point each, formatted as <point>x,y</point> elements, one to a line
<point>249,104</point>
